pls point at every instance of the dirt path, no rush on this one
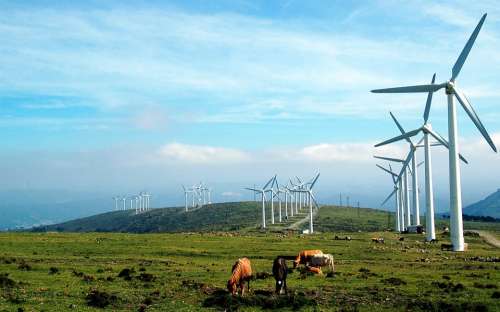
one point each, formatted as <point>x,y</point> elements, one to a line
<point>488,238</point>
<point>297,224</point>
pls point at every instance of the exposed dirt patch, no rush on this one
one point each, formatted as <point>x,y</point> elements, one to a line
<point>264,299</point>
<point>449,287</point>
<point>126,274</point>
<point>24,266</point>
<point>100,299</point>
<point>395,281</point>
<point>53,270</point>
<point>6,281</point>
<point>146,277</point>
<point>191,284</point>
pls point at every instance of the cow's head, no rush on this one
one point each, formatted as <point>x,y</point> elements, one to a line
<point>231,287</point>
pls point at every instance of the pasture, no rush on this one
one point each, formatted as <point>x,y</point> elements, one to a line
<point>188,272</point>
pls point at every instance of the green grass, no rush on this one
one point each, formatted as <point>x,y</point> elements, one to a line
<point>191,270</point>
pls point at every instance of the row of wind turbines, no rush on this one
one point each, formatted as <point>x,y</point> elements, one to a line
<point>401,179</point>
<point>299,194</point>
<point>200,195</point>
<point>140,202</point>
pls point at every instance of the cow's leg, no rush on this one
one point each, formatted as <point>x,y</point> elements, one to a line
<point>242,286</point>
<point>286,289</point>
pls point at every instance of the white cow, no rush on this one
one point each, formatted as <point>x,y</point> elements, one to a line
<point>322,260</point>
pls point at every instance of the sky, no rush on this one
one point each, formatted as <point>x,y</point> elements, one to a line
<point>108,97</point>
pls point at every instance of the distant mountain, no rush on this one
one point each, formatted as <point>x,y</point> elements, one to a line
<point>490,206</point>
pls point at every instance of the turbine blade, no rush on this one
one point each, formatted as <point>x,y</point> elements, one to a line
<point>411,89</point>
<point>420,164</point>
<point>387,170</point>
<point>475,119</point>
<point>429,101</point>
<point>442,141</point>
<point>465,52</point>
<point>394,177</point>
<point>400,137</point>
<point>390,159</point>
<point>252,189</point>
<point>400,127</point>
<point>314,181</point>
<point>267,184</point>
<point>406,163</point>
<point>388,197</point>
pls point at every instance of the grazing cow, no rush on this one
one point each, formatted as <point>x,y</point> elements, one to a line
<point>323,260</point>
<point>378,240</point>
<point>304,257</point>
<point>280,271</point>
<point>241,273</point>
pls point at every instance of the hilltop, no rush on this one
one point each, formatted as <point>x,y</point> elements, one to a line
<point>488,207</point>
<point>235,216</point>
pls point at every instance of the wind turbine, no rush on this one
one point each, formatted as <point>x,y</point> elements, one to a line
<point>308,191</point>
<point>262,191</point>
<point>136,204</point>
<point>452,92</point>
<point>124,199</point>
<point>186,192</point>
<point>426,129</point>
<point>404,196</point>
<point>271,190</point>
<point>278,192</point>
<point>396,192</point>
<point>116,198</point>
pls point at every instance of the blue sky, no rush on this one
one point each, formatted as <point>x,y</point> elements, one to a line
<point>114,97</point>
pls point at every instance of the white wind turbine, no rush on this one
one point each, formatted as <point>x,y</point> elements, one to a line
<point>124,199</point>
<point>308,191</point>
<point>263,191</point>
<point>289,195</point>
<point>186,192</point>
<point>278,192</point>
<point>116,198</point>
<point>404,191</point>
<point>273,193</point>
<point>452,92</point>
<point>426,129</point>
<point>136,204</point>
<point>396,192</point>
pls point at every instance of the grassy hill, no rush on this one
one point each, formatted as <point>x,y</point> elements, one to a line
<point>238,216</point>
<point>214,217</point>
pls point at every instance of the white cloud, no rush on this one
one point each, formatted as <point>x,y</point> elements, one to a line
<point>350,152</point>
<point>202,154</point>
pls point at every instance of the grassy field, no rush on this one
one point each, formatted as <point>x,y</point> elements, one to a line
<point>188,272</point>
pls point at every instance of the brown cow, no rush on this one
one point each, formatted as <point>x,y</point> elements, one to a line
<point>304,257</point>
<point>241,273</point>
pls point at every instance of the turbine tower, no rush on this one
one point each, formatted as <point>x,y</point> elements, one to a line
<point>452,92</point>
<point>116,198</point>
<point>263,191</point>
<point>308,191</point>
<point>426,129</point>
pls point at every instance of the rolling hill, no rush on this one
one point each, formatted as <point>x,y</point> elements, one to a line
<point>214,217</point>
<point>488,207</point>
<point>236,216</point>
